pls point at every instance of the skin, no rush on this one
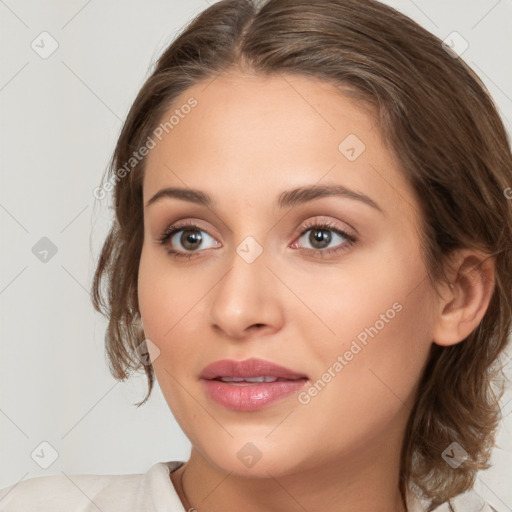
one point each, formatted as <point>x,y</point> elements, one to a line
<point>248,139</point>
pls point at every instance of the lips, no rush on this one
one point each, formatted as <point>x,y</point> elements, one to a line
<point>249,385</point>
<point>250,368</point>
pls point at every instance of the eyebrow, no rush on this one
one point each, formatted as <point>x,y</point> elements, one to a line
<point>287,199</point>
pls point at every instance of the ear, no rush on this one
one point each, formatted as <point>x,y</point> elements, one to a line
<point>466,298</point>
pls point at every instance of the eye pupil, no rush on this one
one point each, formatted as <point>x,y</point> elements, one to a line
<point>320,236</point>
<point>191,239</point>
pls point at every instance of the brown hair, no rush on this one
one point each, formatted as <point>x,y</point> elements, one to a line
<point>441,123</point>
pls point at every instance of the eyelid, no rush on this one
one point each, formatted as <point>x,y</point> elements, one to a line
<point>188,223</point>
<point>329,224</point>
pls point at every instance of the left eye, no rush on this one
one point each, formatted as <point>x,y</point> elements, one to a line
<point>321,236</point>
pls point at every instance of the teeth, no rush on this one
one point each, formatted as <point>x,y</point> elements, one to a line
<point>249,379</point>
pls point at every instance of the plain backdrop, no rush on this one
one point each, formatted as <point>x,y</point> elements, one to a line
<point>60,118</point>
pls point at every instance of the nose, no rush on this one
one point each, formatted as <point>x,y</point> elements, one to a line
<point>247,299</point>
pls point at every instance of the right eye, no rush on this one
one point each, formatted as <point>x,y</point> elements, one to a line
<point>188,235</point>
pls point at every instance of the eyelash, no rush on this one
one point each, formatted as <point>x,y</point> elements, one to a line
<point>351,240</point>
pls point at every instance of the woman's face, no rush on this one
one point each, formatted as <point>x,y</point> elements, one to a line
<point>264,271</point>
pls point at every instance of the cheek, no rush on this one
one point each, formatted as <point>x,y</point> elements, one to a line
<point>382,319</point>
<point>376,362</point>
<point>364,295</point>
<point>171,303</point>
<point>165,296</point>
<point>164,304</point>
<point>354,401</point>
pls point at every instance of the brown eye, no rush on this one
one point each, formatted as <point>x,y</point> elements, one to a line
<point>322,235</point>
<point>324,238</point>
<point>320,238</point>
<point>191,239</point>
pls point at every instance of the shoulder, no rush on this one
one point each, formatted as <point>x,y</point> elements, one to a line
<point>68,492</point>
<point>88,492</point>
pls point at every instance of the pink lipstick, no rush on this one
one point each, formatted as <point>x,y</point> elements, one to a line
<point>251,384</point>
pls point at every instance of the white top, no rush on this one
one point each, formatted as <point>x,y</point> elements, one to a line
<point>149,492</point>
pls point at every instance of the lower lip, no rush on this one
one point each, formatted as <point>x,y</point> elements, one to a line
<point>250,397</point>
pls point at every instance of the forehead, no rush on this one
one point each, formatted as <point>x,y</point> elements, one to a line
<point>249,137</point>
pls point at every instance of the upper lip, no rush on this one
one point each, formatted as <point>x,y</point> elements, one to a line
<point>252,367</point>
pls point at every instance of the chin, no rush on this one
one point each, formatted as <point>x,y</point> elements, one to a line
<point>258,458</point>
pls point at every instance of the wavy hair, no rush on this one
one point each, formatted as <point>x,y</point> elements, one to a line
<point>442,125</point>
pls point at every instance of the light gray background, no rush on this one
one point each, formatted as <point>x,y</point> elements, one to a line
<point>60,118</point>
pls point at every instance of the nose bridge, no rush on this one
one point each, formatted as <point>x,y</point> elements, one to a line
<point>246,295</point>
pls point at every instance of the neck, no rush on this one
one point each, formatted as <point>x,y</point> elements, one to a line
<point>355,483</point>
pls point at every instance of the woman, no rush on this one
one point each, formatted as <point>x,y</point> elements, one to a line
<point>311,252</point>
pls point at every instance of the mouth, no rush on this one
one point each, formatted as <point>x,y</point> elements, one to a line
<point>251,384</point>
<point>252,380</point>
<point>250,370</point>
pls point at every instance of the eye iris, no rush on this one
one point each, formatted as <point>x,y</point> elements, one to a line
<point>320,236</point>
<point>190,239</point>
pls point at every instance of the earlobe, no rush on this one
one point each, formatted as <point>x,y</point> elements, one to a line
<point>463,307</point>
